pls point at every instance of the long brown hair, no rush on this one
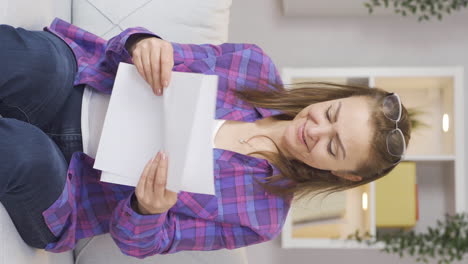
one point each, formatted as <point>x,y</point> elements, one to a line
<point>308,180</point>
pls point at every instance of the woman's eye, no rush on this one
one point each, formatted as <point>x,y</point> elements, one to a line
<point>328,114</point>
<point>330,149</point>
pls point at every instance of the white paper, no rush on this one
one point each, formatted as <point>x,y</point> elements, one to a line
<point>202,126</point>
<point>118,179</point>
<point>138,124</point>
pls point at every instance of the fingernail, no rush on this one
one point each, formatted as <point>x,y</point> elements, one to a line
<point>164,156</point>
<point>159,92</point>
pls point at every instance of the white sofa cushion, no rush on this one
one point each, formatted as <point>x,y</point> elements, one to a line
<point>102,249</point>
<point>183,21</point>
<point>33,15</point>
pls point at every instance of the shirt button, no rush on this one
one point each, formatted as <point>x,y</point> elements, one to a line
<point>69,175</point>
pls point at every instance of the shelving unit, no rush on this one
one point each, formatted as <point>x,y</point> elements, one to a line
<point>438,154</point>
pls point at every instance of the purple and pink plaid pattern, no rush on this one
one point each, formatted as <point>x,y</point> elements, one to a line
<point>240,214</point>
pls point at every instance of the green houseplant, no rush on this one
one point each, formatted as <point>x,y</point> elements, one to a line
<point>446,242</point>
<point>424,9</point>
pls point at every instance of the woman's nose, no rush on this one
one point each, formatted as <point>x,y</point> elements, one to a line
<point>317,131</point>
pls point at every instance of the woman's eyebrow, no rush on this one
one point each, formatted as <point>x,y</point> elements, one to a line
<point>337,135</point>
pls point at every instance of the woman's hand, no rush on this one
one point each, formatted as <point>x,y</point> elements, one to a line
<point>154,60</point>
<point>151,193</point>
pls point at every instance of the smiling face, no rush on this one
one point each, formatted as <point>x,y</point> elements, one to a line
<point>337,134</point>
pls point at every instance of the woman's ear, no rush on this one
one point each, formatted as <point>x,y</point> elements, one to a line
<point>347,175</point>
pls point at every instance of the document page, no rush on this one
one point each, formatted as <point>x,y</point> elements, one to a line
<point>138,124</point>
<point>189,111</point>
<point>200,146</point>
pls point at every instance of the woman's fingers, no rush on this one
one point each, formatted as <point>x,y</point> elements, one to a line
<point>140,188</point>
<point>155,54</point>
<point>151,192</point>
<point>146,60</point>
<point>154,59</point>
<point>149,189</point>
<point>161,177</point>
<point>167,63</point>
<point>139,65</point>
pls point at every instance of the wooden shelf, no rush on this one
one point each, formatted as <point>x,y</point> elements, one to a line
<point>430,158</point>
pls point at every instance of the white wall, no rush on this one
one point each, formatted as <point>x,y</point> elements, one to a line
<point>345,42</point>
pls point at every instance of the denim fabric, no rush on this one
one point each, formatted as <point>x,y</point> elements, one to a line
<point>40,127</point>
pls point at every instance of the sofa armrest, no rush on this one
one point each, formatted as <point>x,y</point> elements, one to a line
<point>14,250</point>
<point>102,249</point>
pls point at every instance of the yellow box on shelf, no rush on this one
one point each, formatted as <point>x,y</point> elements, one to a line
<point>396,197</point>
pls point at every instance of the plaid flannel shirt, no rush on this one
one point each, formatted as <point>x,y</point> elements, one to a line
<point>240,214</point>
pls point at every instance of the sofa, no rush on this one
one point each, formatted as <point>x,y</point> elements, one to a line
<point>183,21</point>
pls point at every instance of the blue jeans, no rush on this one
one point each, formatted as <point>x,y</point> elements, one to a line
<point>40,128</point>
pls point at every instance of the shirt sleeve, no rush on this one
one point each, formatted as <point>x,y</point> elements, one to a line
<point>116,51</point>
<point>190,52</point>
<point>236,62</point>
<point>146,235</point>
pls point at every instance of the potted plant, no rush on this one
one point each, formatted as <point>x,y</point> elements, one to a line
<point>423,9</point>
<point>446,242</point>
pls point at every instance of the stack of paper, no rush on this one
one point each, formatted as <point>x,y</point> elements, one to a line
<point>138,124</point>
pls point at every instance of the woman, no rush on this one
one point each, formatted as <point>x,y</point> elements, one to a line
<point>274,143</point>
